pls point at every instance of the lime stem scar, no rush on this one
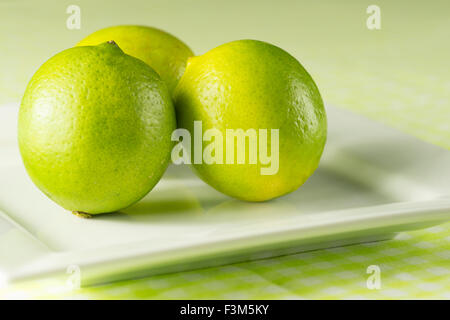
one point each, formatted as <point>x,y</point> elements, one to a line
<point>81,214</point>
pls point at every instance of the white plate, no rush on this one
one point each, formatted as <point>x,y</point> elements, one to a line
<point>373,181</point>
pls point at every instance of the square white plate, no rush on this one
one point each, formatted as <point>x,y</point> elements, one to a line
<point>373,181</point>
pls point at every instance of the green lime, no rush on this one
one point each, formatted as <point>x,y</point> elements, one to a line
<point>94,128</point>
<point>261,92</point>
<point>166,54</point>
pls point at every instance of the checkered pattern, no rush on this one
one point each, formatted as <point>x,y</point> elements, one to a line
<point>413,265</point>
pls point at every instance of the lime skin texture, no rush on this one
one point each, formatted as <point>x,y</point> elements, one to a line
<point>250,84</point>
<point>166,54</point>
<point>94,128</point>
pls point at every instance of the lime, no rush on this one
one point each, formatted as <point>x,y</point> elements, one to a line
<point>166,54</point>
<point>94,128</point>
<point>260,116</point>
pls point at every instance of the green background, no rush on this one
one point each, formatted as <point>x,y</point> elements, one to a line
<point>398,75</point>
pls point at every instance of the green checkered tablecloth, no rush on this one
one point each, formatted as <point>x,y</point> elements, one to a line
<point>398,75</point>
<point>414,265</point>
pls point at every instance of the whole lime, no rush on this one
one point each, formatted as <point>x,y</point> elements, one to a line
<point>166,54</point>
<point>94,128</point>
<point>263,105</point>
